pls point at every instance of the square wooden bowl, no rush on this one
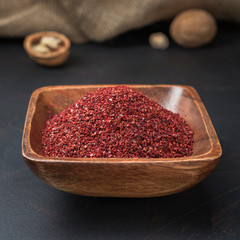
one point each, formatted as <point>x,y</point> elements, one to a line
<point>122,177</point>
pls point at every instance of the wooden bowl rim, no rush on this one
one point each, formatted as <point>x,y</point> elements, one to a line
<point>29,39</point>
<point>28,153</point>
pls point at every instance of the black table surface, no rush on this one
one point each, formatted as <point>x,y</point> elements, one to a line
<point>30,209</point>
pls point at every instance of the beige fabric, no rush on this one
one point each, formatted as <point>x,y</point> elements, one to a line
<point>98,20</point>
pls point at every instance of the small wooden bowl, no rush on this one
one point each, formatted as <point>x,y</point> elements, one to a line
<point>122,177</point>
<point>53,58</point>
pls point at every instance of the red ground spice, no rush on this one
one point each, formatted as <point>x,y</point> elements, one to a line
<point>117,122</point>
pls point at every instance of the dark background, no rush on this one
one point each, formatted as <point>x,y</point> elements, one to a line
<point>29,209</point>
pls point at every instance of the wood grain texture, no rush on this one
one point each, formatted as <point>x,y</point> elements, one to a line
<point>53,58</point>
<point>121,177</point>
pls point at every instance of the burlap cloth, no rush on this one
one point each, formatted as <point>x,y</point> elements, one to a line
<point>98,20</point>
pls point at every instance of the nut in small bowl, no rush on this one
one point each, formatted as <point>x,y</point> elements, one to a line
<point>47,48</point>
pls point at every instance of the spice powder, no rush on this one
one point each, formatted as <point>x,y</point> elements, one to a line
<point>117,122</point>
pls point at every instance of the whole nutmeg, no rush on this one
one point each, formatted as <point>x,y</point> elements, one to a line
<point>193,28</point>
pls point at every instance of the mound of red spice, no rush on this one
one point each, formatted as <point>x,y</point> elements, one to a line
<point>117,122</point>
